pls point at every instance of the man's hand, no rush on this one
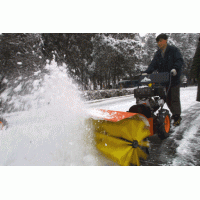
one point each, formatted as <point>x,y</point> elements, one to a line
<point>143,74</point>
<point>174,72</point>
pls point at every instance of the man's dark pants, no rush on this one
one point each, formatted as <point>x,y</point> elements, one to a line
<point>173,100</point>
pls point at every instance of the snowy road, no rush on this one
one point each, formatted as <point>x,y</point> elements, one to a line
<point>122,103</point>
<point>188,98</point>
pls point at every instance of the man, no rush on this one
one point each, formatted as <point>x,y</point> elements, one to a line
<point>195,71</point>
<point>169,59</point>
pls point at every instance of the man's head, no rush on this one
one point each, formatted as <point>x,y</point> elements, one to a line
<point>162,41</point>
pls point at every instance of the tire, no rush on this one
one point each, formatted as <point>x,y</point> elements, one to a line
<point>3,123</point>
<point>163,124</point>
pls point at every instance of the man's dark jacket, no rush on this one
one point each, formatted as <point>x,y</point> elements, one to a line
<point>172,60</point>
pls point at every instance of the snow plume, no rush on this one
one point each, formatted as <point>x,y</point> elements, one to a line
<point>41,89</point>
<point>21,93</point>
<point>51,129</point>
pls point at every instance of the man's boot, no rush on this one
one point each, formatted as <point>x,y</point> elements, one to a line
<point>177,120</point>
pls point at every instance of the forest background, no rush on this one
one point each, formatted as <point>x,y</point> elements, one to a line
<point>94,60</point>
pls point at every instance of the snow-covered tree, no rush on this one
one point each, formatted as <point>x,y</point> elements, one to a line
<point>150,47</point>
<point>73,49</point>
<point>20,54</point>
<point>186,42</point>
<point>115,56</point>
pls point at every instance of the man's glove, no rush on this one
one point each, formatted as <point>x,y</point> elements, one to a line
<point>174,72</point>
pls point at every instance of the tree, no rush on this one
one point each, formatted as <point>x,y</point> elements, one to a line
<point>115,56</point>
<point>150,48</point>
<point>73,49</point>
<point>20,54</point>
<point>186,42</point>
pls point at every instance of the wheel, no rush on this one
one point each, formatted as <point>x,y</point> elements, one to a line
<point>163,124</point>
<point>3,123</point>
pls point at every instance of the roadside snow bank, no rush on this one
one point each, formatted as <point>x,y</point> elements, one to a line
<point>102,94</point>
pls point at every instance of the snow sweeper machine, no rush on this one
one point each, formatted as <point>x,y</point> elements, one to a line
<point>123,136</point>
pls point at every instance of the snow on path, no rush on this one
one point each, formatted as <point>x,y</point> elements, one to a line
<point>188,97</point>
<point>187,137</point>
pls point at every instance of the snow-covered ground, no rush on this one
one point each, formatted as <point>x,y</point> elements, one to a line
<point>56,133</point>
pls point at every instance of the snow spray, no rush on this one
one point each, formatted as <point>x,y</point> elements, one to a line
<point>51,128</point>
